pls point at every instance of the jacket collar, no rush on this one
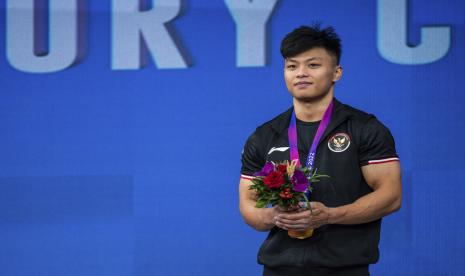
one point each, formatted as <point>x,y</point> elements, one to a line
<point>340,114</point>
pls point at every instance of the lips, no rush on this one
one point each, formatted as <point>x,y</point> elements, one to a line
<point>303,83</point>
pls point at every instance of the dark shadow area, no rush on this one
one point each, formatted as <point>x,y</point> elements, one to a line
<point>41,27</point>
<point>82,31</point>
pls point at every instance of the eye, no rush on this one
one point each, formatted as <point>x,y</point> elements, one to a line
<point>314,65</point>
<point>291,66</point>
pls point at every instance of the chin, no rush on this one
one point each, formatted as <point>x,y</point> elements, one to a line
<point>309,99</point>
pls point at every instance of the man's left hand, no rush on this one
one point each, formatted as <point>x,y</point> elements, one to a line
<point>303,219</point>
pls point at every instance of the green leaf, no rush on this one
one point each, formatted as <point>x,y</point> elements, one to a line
<point>261,203</point>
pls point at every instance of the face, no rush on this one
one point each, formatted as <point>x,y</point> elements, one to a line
<point>311,75</point>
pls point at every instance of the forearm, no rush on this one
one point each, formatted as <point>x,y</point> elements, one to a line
<point>368,208</point>
<point>260,219</point>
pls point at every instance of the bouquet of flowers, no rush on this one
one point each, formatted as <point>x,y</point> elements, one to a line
<point>285,184</point>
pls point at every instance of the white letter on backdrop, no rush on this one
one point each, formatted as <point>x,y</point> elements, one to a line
<point>131,26</point>
<point>62,42</point>
<point>251,17</point>
<point>392,36</point>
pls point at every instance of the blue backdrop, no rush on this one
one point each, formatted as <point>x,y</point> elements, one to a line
<point>122,130</point>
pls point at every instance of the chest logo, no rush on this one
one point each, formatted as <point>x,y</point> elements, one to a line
<point>339,142</point>
<point>282,149</point>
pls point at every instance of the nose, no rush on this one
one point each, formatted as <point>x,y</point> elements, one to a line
<point>302,72</point>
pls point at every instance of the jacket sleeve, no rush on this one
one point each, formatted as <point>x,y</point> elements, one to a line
<point>252,155</point>
<point>377,144</point>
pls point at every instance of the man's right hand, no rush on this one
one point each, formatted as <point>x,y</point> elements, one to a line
<point>262,219</point>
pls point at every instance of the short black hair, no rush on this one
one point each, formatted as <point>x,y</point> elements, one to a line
<point>305,38</point>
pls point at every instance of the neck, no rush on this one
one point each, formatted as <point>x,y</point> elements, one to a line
<point>312,110</point>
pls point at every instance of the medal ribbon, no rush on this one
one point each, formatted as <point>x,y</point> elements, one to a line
<point>292,134</point>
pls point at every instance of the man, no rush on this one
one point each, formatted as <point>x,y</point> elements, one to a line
<point>354,149</point>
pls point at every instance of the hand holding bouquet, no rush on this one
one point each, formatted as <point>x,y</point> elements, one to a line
<point>285,184</point>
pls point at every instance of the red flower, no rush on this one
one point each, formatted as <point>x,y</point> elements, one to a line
<point>274,180</point>
<point>282,168</point>
<point>286,194</point>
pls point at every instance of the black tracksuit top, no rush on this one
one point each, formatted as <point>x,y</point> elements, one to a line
<point>352,139</point>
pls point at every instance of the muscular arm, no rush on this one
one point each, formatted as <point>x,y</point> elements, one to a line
<point>259,218</point>
<point>385,180</point>
<point>386,198</point>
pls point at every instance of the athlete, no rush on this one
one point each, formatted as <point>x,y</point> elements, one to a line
<point>349,145</point>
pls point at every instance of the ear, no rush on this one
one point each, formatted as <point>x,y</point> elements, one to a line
<point>337,73</point>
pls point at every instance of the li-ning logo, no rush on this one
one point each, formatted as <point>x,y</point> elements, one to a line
<point>282,149</point>
<point>339,142</point>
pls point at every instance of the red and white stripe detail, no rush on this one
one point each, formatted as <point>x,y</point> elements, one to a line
<point>386,160</point>
<point>247,177</point>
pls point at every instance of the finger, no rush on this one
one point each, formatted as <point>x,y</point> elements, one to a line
<point>315,212</point>
<point>319,220</point>
<point>281,225</point>
<point>292,222</point>
<point>305,223</point>
<point>316,220</point>
<point>317,206</point>
<point>280,221</point>
<point>295,215</point>
<point>297,227</point>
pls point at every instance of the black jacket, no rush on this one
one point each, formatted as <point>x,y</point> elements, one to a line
<point>352,139</point>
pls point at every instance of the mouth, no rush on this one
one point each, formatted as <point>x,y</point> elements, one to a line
<point>302,84</point>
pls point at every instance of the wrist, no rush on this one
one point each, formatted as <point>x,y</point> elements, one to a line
<point>267,220</point>
<point>335,214</point>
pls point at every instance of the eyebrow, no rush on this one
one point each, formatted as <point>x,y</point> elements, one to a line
<point>307,60</point>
